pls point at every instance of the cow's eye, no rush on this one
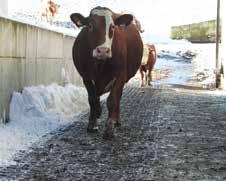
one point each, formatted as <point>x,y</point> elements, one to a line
<point>111,30</point>
<point>90,26</point>
<point>112,26</point>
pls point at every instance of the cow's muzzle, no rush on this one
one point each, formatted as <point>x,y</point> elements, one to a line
<point>102,53</point>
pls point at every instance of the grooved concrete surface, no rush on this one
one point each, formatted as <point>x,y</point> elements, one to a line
<point>166,134</point>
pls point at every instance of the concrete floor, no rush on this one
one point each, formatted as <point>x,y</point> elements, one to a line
<point>166,134</point>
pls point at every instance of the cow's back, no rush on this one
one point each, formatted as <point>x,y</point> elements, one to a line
<point>134,50</point>
<point>145,56</point>
<point>152,55</point>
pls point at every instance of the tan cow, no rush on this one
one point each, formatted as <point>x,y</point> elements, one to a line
<point>48,10</point>
<point>147,64</point>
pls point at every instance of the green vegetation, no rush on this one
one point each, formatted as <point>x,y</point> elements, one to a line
<point>203,32</point>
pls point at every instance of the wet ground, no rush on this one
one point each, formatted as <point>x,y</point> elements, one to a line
<point>166,134</point>
<point>183,64</point>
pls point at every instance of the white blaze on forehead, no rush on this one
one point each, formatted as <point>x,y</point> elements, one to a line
<point>108,21</point>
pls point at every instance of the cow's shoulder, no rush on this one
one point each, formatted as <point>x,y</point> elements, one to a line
<point>81,52</point>
<point>81,43</point>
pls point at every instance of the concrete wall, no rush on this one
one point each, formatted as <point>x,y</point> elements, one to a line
<point>30,56</point>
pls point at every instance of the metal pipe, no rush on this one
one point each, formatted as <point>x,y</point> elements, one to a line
<point>218,63</point>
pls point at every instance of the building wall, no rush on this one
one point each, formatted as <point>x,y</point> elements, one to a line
<point>3,7</point>
<point>31,56</point>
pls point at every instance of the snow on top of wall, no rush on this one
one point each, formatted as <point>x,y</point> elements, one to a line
<point>44,25</point>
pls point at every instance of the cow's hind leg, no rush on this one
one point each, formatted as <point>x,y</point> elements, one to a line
<point>98,108</point>
<point>149,72</point>
<point>95,108</point>
<point>113,105</point>
<point>149,77</point>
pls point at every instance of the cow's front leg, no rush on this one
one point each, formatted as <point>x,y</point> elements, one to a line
<point>94,103</point>
<point>146,79</point>
<point>142,77</point>
<point>113,105</point>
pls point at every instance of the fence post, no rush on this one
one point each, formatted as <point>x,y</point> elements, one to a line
<point>218,63</point>
<point>223,44</point>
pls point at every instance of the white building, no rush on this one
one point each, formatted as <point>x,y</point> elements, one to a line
<point>4,8</point>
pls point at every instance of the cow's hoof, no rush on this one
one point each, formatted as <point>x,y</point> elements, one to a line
<point>99,111</point>
<point>118,124</point>
<point>149,84</point>
<point>93,129</point>
<point>108,135</point>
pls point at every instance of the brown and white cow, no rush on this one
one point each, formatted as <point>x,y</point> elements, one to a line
<point>147,64</point>
<point>106,53</point>
<point>49,9</point>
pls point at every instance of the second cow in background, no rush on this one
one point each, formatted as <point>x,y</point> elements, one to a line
<point>147,64</point>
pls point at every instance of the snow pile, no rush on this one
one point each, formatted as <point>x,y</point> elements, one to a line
<point>60,103</point>
<point>37,111</point>
<point>204,65</point>
<point>181,55</point>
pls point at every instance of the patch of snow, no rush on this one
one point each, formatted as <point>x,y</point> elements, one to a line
<point>183,63</point>
<point>38,111</point>
<point>171,57</point>
<point>191,64</point>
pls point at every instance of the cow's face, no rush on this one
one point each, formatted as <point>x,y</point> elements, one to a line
<point>101,26</point>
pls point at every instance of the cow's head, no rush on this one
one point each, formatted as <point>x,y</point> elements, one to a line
<point>101,25</point>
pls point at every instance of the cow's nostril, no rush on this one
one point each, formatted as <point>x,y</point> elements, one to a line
<point>98,50</point>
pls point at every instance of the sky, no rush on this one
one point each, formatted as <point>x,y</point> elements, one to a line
<point>156,16</point>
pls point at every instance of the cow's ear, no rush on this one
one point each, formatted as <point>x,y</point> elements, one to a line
<point>78,19</point>
<point>124,20</point>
